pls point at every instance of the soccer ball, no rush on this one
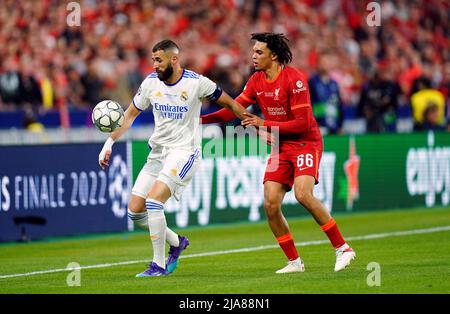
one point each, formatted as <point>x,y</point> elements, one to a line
<point>107,116</point>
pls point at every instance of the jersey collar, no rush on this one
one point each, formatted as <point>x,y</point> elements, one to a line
<point>182,74</point>
<point>275,77</point>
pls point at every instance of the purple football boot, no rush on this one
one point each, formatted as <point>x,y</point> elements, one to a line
<point>174,253</point>
<point>153,271</point>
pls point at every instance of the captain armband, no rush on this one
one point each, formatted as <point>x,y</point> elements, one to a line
<point>216,95</point>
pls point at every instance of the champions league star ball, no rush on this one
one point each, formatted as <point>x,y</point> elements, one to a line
<point>107,116</point>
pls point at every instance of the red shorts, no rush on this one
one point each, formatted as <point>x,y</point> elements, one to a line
<point>292,161</point>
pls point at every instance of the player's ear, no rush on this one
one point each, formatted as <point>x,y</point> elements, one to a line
<point>273,56</point>
<point>174,59</point>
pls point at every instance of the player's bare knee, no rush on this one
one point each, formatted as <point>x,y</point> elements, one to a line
<point>272,209</point>
<point>134,209</point>
<point>136,204</point>
<point>304,198</point>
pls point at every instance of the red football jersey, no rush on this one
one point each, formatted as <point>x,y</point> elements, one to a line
<point>284,101</point>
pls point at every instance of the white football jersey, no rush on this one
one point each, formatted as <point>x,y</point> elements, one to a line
<point>176,108</point>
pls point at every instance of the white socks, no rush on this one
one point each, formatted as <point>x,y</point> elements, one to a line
<point>140,220</point>
<point>172,238</point>
<point>157,225</point>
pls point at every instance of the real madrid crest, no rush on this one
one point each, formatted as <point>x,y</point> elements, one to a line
<point>184,96</point>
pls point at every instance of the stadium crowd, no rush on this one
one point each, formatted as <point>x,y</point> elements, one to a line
<point>400,69</point>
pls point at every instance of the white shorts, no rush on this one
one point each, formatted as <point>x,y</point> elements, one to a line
<point>173,166</point>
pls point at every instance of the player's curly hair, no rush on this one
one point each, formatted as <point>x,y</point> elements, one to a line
<point>277,43</point>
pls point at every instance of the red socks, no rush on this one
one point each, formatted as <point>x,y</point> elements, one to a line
<point>332,231</point>
<point>287,244</point>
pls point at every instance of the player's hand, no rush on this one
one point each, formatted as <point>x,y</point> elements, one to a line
<point>252,120</point>
<point>103,157</point>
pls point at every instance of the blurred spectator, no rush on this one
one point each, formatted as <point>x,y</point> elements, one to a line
<point>92,86</point>
<point>10,85</point>
<point>424,80</point>
<point>46,87</point>
<point>325,97</point>
<point>431,119</point>
<point>134,75</point>
<point>379,101</point>
<point>428,103</point>
<point>76,88</point>
<point>30,92</point>
<point>31,123</point>
<point>444,88</point>
<point>109,53</point>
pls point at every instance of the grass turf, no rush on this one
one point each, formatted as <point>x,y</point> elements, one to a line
<point>416,263</point>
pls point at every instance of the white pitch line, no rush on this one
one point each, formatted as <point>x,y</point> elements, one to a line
<point>250,249</point>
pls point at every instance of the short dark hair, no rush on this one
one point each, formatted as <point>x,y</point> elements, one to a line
<point>164,45</point>
<point>277,43</point>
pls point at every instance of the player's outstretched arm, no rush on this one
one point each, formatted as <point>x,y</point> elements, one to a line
<point>222,115</point>
<point>300,123</point>
<point>130,115</point>
<point>232,105</point>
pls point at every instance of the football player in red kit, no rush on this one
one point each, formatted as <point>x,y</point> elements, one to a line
<point>283,96</point>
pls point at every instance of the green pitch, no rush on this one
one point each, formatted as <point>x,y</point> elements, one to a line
<point>413,258</point>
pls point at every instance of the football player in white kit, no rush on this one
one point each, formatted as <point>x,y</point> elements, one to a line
<point>175,95</point>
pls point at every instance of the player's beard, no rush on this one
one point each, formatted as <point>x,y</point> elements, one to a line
<point>164,75</point>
